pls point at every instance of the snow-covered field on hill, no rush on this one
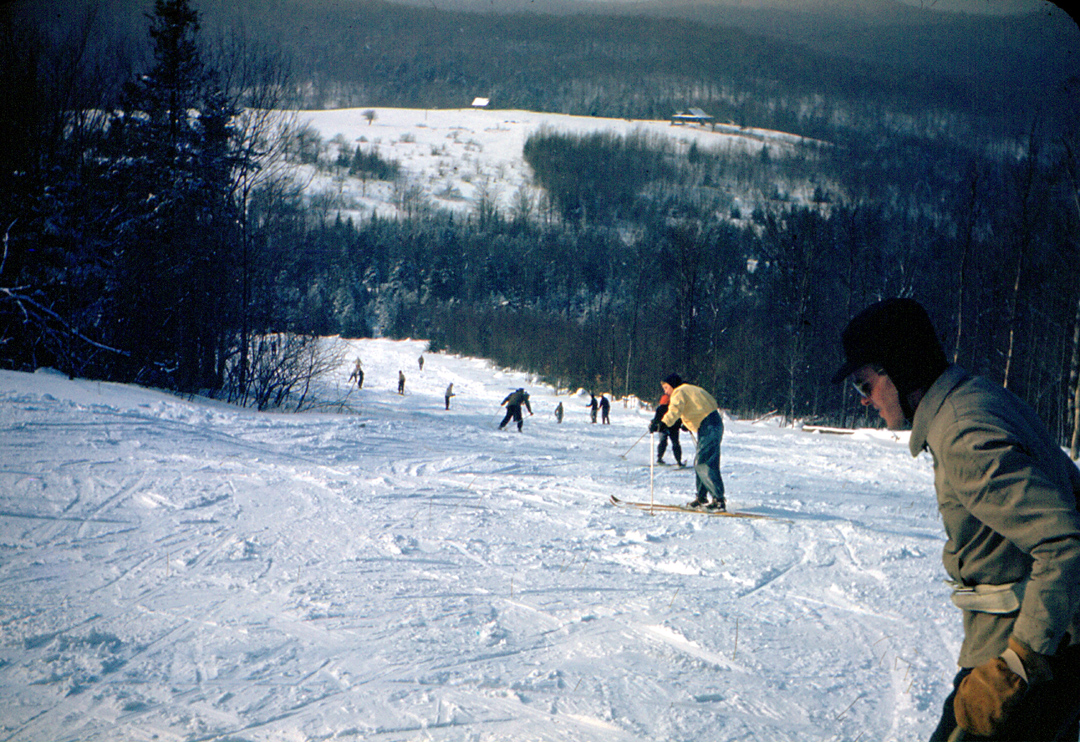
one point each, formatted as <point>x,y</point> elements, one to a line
<point>455,157</point>
<point>176,569</point>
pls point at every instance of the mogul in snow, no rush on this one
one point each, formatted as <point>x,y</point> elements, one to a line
<point>513,403</point>
<point>1007,493</point>
<point>700,414</point>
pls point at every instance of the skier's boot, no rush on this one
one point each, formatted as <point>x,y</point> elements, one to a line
<point>696,504</point>
<point>717,506</point>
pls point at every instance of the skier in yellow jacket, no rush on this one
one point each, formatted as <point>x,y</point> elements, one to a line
<point>700,414</point>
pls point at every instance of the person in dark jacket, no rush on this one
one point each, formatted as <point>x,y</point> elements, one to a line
<point>559,413</point>
<point>513,402</point>
<point>666,433</point>
<point>605,410</point>
<point>1007,494</point>
<point>593,405</point>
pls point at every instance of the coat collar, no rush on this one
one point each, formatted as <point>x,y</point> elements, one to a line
<point>930,404</point>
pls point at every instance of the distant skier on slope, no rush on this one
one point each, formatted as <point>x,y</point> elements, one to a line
<point>593,405</point>
<point>605,410</point>
<point>449,394</point>
<point>357,374</point>
<point>513,403</point>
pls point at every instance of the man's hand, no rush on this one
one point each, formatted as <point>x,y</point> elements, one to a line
<point>986,697</point>
<point>992,691</point>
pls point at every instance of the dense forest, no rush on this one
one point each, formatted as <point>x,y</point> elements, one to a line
<point>154,230</point>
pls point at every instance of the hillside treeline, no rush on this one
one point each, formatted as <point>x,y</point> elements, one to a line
<point>130,208</point>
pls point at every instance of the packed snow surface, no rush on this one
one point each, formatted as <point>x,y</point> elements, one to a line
<point>385,569</point>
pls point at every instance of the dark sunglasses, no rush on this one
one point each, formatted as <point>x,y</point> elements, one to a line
<point>865,387</point>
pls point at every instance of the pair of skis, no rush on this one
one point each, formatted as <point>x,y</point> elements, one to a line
<point>664,507</point>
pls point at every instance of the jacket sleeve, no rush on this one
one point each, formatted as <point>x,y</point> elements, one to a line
<point>674,410</point>
<point>660,413</point>
<point>1025,499</point>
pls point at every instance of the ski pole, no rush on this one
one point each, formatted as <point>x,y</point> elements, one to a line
<point>651,439</point>
<point>623,455</point>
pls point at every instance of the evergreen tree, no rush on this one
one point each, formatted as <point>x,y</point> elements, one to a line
<point>175,274</point>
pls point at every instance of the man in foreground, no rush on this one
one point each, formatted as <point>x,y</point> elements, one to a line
<point>1008,499</point>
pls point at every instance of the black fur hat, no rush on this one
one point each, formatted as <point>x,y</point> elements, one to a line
<point>673,380</point>
<point>897,335</point>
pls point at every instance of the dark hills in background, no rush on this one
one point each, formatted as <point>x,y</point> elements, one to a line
<point>1015,59</point>
<point>799,66</point>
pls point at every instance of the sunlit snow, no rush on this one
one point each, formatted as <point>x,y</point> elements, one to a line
<point>385,569</point>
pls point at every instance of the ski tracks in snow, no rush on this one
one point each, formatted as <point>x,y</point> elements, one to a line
<point>198,572</point>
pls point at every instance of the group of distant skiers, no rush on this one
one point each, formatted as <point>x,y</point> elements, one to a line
<point>682,407</point>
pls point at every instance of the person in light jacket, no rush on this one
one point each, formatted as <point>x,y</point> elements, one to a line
<point>700,414</point>
<point>1007,494</point>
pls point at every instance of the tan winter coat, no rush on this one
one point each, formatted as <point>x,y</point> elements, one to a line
<point>692,403</point>
<point>1008,498</point>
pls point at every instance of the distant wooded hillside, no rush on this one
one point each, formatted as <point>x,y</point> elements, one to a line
<point>869,65</point>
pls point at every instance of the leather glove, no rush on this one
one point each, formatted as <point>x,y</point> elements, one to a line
<point>654,427</point>
<point>986,697</point>
<point>992,691</point>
